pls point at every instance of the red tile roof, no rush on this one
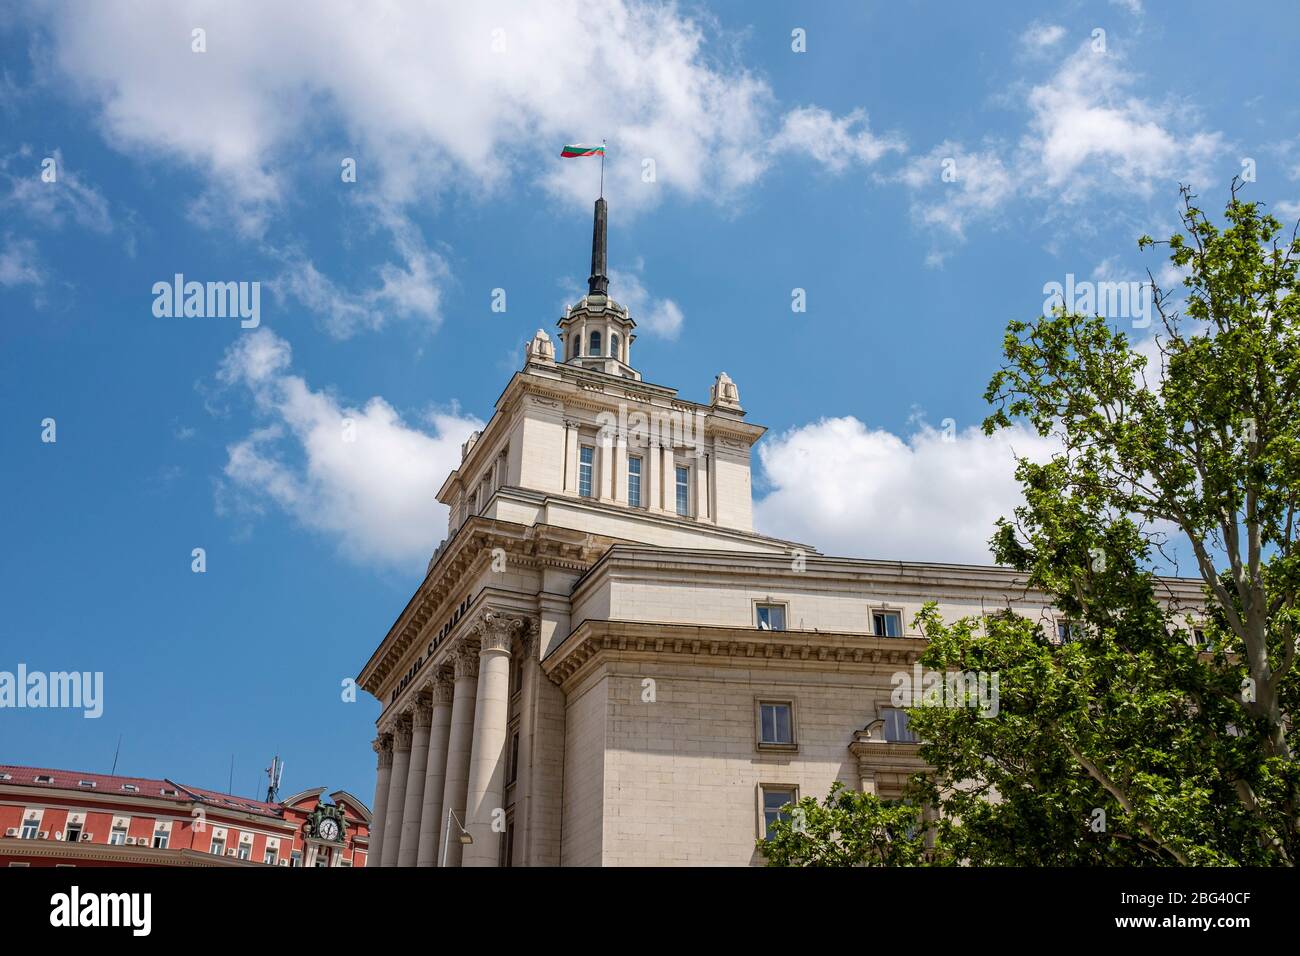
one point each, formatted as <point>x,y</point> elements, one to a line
<point>145,787</point>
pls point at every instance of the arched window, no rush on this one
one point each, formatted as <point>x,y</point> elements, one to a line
<point>595,344</point>
<point>613,346</point>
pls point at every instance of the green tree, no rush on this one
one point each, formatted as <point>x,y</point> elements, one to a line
<point>1128,745</point>
<point>848,828</point>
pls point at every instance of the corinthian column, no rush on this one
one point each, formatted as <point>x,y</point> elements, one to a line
<point>383,745</point>
<point>397,789</point>
<point>431,816</point>
<point>491,714</point>
<point>458,751</point>
<point>410,841</point>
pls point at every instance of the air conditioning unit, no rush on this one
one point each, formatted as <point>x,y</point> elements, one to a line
<point>284,863</point>
<point>230,852</point>
<point>87,837</point>
<point>12,831</point>
<point>45,834</point>
<point>130,841</point>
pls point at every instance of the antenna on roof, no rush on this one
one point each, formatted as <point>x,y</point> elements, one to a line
<point>273,774</point>
<point>115,753</point>
<point>230,783</point>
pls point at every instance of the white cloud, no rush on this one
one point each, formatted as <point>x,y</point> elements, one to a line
<point>426,95</point>
<point>1040,36</point>
<point>412,290</point>
<point>1088,132</point>
<point>849,489</point>
<point>978,185</point>
<point>51,204</point>
<point>373,495</point>
<point>20,263</point>
<point>661,317</point>
<point>833,142</point>
<point>1288,211</point>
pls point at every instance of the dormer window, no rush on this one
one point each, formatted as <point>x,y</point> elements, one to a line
<point>595,344</point>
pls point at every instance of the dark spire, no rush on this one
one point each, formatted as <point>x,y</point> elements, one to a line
<point>598,282</point>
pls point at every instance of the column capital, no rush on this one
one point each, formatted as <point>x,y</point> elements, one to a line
<point>402,732</point>
<point>383,746</point>
<point>465,658</point>
<point>422,713</point>
<point>440,689</point>
<point>497,629</point>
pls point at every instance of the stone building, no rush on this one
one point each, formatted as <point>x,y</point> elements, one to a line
<point>605,664</point>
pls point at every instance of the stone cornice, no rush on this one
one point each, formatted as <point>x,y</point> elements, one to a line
<point>749,647</point>
<point>115,854</point>
<point>525,546</point>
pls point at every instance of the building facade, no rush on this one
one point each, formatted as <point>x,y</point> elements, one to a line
<point>605,664</point>
<point>65,818</point>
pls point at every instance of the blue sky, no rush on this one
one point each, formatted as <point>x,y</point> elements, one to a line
<point>775,170</point>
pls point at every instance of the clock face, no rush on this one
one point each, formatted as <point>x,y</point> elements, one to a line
<point>328,829</point>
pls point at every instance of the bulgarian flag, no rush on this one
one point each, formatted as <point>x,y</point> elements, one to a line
<point>574,152</point>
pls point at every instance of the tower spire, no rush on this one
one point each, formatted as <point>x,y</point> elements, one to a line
<point>598,281</point>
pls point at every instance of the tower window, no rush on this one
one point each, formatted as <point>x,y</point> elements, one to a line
<point>595,344</point>
<point>613,346</point>
<point>586,460</point>
<point>634,482</point>
<point>683,491</point>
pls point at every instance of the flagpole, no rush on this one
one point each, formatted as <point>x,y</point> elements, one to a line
<point>602,169</point>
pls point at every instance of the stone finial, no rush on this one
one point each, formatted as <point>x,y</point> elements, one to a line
<point>724,393</point>
<point>468,447</point>
<point>540,349</point>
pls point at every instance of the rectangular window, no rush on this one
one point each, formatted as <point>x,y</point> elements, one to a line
<point>508,843</point>
<point>886,624</point>
<point>897,730</point>
<point>295,859</point>
<point>1065,632</point>
<point>771,617</point>
<point>513,766</point>
<point>683,491</point>
<point>586,461</point>
<point>72,833</point>
<point>117,837</point>
<point>30,829</point>
<point>245,851</point>
<point>323,858</point>
<point>218,847</point>
<point>775,723</point>
<point>270,857</point>
<point>775,800</point>
<point>634,482</point>
<point>160,837</point>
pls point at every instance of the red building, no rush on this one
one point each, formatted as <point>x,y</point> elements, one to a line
<point>65,818</point>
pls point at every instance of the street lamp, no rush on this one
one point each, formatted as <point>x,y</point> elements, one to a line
<point>464,837</point>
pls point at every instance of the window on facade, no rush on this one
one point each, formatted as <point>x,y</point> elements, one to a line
<point>775,800</point>
<point>776,723</point>
<point>160,838</point>
<point>771,617</point>
<point>886,624</point>
<point>595,345</point>
<point>323,858</point>
<point>1200,639</point>
<point>30,829</point>
<point>512,769</point>
<point>218,847</point>
<point>897,730</point>
<point>117,836</point>
<point>270,856</point>
<point>72,833</point>
<point>586,461</point>
<point>508,843</point>
<point>1066,632</point>
<point>613,345</point>
<point>683,490</point>
<point>295,859</point>
<point>245,851</point>
<point>634,482</point>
